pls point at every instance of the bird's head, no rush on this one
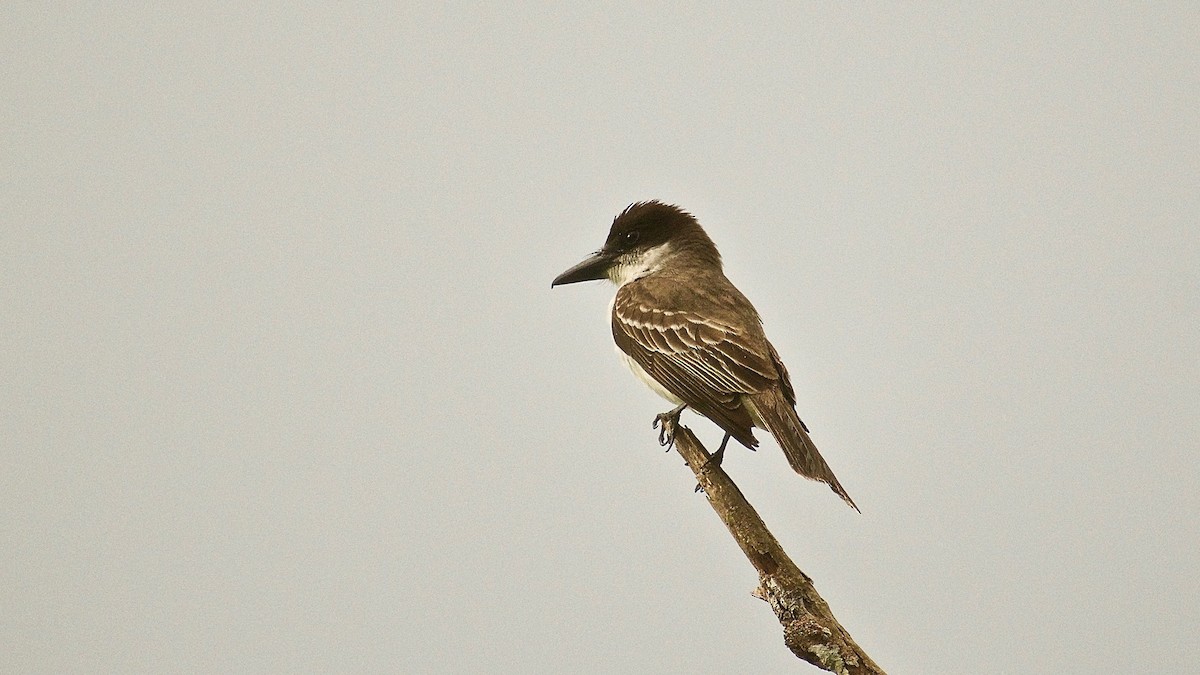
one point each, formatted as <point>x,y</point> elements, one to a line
<point>644,239</point>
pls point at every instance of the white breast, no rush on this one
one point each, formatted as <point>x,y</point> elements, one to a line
<point>638,370</point>
<point>642,375</point>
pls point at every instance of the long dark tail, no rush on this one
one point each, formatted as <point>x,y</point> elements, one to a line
<point>784,424</point>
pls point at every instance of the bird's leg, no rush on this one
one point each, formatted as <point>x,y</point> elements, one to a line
<point>668,421</point>
<point>715,459</point>
<point>719,456</point>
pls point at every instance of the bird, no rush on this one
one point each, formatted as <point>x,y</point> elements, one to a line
<point>690,335</point>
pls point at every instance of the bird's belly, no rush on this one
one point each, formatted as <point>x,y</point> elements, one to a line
<point>645,377</point>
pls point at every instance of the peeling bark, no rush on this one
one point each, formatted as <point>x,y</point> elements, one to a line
<point>810,630</point>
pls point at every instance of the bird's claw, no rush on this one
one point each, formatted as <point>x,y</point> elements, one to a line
<point>666,424</point>
<point>715,459</point>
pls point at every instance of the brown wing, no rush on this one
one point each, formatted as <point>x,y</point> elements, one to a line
<point>785,382</point>
<point>700,354</point>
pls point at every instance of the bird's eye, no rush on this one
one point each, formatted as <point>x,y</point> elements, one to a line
<point>630,238</point>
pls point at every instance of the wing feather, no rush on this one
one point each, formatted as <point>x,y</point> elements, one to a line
<point>699,346</point>
<point>704,361</point>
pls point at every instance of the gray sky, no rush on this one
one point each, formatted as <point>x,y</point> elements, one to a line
<point>285,387</point>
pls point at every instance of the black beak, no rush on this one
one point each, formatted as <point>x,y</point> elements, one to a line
<point>591,268</point>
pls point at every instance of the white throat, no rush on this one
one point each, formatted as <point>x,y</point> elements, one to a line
<point>631,268</point>
<point>634,266</point>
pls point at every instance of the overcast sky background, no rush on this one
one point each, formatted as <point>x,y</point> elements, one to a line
<point>285,387</point>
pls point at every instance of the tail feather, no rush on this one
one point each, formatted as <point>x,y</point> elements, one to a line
<point>780,418</point>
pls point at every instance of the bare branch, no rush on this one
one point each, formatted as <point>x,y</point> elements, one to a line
<point>809,627</point>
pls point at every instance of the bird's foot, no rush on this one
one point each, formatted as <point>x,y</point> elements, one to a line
<point>714,460</point>
<point>666,424</point>
<point>717,457</point>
